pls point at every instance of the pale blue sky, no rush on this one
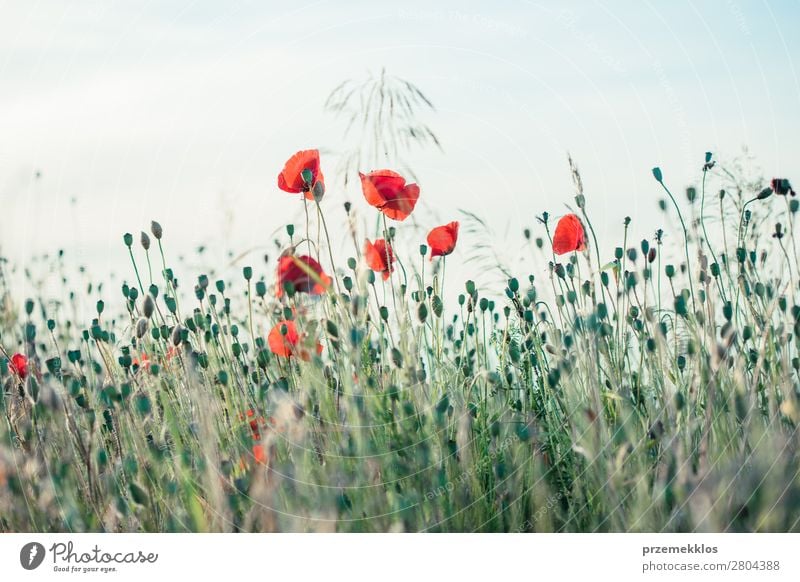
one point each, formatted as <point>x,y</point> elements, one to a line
<point>185,111</point>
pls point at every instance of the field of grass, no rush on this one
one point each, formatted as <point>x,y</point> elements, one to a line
<point>636,388</point>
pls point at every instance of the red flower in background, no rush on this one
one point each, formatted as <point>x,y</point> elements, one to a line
<point>260,454</point>
<point>291,178</point>
<point>19,365</point>
<point>304,273</point>
<point>388,192</point>
<point>288,344</point>
<point>379,256</point>
<point>569,235</point>
<point>255,423</point>
<point>143,363</point>
<point>442,239</point>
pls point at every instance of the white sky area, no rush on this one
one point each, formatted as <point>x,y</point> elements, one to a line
<point>185,111</point>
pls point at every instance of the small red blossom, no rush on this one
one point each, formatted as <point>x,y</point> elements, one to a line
<point>285,341</point>
<point>304,273</point>
<point>379,256</point>
<point>569,235</point>
<point>142,362</point>
<point>442,239</point>
<point>388,192</point>
<point>260,454</point>
<point>255,423</point>
<point>292,179</point>
<point>19,365</point>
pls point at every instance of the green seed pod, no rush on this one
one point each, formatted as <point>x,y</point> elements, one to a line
<point>657,174</point>
<point>127,238</point>
<point>437,305</point>
<point>422,312</point>
<point>148,307</point>
<point>248,273</point>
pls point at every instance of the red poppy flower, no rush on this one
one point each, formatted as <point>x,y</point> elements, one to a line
<point>442,239</point>
<point>255,423</point>
<point>569,235</point>
<point>291,178</point>
<point>19,365</point>
<point>143,363</point>
<point>260,454</point>
<point>304,273</point>
<point>388,192</point>
<point>288,344</point>
<point>379,256</point>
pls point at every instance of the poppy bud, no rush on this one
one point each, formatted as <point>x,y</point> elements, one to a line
<point>141,327</point>
<point>128,239</point>
<point>100,307</point>
<point>149,306</point>
<point>145,240</point>
<point>651,256</point>
<point>318,191</point>
<point>580,200</point>
<point>156,229</point>
<point>764,194</point>
<point>657,174</point>
<point>347,207</point>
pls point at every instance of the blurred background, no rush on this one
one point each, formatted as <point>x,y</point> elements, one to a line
<point>116,113</point>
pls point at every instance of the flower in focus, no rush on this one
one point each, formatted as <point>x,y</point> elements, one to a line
<point>442,239</point>
<point>285,341</point>
<point>388,192</point>
<point>781,186</point>
<point>569,235</point>
<point>19,365</point>
<point>302,173</point>
<point>379,256</point>
<point>304,273</point>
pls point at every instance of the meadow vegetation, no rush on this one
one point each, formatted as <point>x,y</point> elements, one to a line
<point>651,386</point>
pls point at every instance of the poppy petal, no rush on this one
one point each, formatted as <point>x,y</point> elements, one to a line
<point>291,177</point>
<point>442,239</point>
<point>569,235</point>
